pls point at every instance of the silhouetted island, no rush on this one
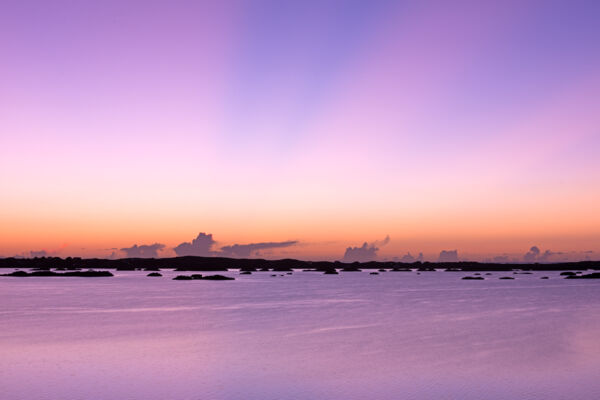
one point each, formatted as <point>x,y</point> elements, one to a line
<point>82,274</point>
<point>204,278</point>
<point>568,273</point>
<point>203,264</point>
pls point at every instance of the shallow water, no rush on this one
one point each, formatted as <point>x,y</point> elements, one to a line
<point>397,335</point>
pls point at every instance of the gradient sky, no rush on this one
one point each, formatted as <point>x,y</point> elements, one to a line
<point>469,125</point>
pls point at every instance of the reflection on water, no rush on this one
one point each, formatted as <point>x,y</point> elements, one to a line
<point>301,336</point>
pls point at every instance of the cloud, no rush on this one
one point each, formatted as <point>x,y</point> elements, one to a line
<point>201,246</point>
<point>382,242</point>
<point>409,258</point>
<point>143,251</point>
<point>535,255</point>
<point>246,250</point>
<point>204,243</point>
<point>367,252</point>
<point>46,253</point>
<point>504,259</point>
<point>39,253</point>
<point>532,255</point>
<point>545,256</point>
<point>448,256</point>
<point>364,253</point>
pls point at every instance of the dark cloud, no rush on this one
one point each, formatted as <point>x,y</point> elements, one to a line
<point>201,246</point>
<point>143,251</point>
<point>246,250</point>
<point>204,243</point>
<point>367,252</point>
<point>448,256</point>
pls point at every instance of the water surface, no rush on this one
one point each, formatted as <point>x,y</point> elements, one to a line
<point>397,335</point>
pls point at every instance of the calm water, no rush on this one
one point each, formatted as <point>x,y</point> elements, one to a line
<point>397,335</point>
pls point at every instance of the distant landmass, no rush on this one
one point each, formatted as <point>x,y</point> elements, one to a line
<point>194,263</point>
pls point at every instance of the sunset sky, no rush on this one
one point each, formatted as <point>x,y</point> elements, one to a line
<point>311,126</point>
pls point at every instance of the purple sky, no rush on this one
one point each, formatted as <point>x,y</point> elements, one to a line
<point>464,124</point>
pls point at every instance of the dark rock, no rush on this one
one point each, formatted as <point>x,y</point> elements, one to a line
<point>567,273</point>
<point>89,274</point>
<point>544,277</point>
<point>351,269</point>
<point>488,273</point>
<point>154,274</point>
<point>289,273</point>
<point>594,275</point>
<point>44,273</point>
<point>245,273</point>
<point>506,277</point>
<point>330,272</point>
<point>374,273</point>
<point>203,268</point>
<point>17,274</point>
<point>182,278</point>
<point>196,276</point>
<point>473,278</point>
<point>383,270</point>
<point>217,278</point>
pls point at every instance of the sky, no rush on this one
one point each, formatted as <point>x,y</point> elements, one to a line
<point>300,129</point>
